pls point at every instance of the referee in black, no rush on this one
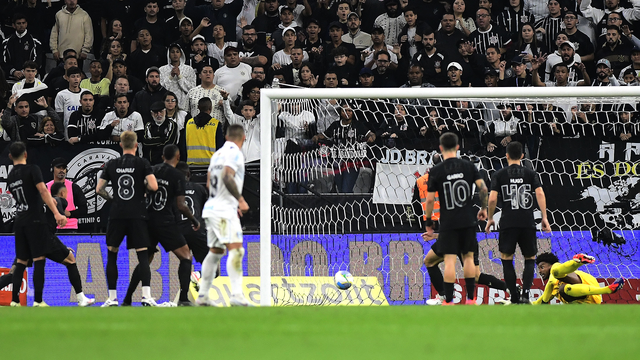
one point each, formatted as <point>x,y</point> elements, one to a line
<point>516,185</point>
<point>453,180</point>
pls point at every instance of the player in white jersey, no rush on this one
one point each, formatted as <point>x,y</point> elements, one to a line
<point>221,212</point>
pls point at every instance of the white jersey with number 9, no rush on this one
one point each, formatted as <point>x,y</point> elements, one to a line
<point>221,203</point>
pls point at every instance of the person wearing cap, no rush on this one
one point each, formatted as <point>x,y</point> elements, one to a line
<point>186,31</point>
<point>486,34</point>
<point>233,74</point>
<point>430,59</point>
<point>582,41</point>
<point>629,77</point>
<point>158,133</point>
<point>119,68</point>
<point>604,74</point>
<point>454,73</point>
<point>365,78</point>
<point>283,57</point>
<point>614,50</point>
<point>177,76</point>
<point>286,21</point>
<point>151,93</point>
<point>152,22</point>
<point>491,77</point>
<point>84,123</point>
<point>250,52</point>
<point>378,40</point>
<point>634,54</point>
<point>355,36</point>
<point>566,55</point>
<point>392,21</point>
<point>335,40</point>
<point>76,201</point>
<point>519,75</point>
<point>200,57</point>
<point>561,74</point>
<point>146,55</point>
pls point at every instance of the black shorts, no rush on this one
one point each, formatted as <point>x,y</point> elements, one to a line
<point>197,242</point>
<point>169,236</point>
<point>134,229</point>
<point>524,237</point>
<point>59,251</point>
<point>457,241</point>
<point>33,241</point>
<point>476,259</point>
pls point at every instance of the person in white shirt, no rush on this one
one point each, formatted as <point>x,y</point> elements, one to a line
<point>235,73</point>
<point>68,100</point>
<point>250,123</point>
<point>206,89</point>
<point>120,120</point>
<point>283,57</point>
<point>225,179</point>
<point>217,49</point>
<point>177,76</point>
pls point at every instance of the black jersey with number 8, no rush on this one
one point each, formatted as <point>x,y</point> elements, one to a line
<point>516,186</point>
<point>127,175</point>
<point>453,179</point>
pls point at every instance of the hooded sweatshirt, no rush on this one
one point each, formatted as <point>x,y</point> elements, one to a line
<point>72,30</point>
<point>181,84</point>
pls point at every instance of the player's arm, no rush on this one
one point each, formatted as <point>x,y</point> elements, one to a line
<point>227,178</point>
<point>547,295</point>
<point>102,191</point>
<point>152,183</point>
<point>51,203</point>
<point>483,194</point>
<point>542,204</point>
<point>493,201</point>
<point>184,209</point>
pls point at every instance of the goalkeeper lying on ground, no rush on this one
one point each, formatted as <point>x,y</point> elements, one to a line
<point>570,285</point>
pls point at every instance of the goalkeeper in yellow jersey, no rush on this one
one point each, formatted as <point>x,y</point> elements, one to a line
<point>570,285</point>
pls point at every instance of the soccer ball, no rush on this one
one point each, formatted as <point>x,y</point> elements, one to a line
<point>344,280</point>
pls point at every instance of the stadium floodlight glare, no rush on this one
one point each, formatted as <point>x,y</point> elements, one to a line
<point>270,99</point>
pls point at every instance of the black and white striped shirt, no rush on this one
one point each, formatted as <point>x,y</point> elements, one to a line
<point>512,21</point>
<point>492,37</point>
<point>552,26</point>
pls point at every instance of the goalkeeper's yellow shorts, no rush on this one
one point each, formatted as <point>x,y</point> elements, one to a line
<point>587,279</point>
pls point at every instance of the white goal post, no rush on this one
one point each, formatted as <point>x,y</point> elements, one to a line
<point>268,106</point>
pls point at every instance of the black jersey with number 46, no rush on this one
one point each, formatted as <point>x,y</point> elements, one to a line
<point>516,186</point>
<point>127,175</point>
<point>453,179</point>
<point>22,181</point>
<point>162,207</point>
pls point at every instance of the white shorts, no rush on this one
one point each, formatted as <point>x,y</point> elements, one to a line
<point>222,231</point>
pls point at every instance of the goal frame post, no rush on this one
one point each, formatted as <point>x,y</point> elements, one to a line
<point>268,96</point>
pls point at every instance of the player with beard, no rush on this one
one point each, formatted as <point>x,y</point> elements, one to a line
<point>517,185</point>
<point>84,123</point>
<point>164,206</point>
<point>430,59</point>
<point>452,180</point>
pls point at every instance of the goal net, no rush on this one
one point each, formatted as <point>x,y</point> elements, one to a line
<point>339,168</point>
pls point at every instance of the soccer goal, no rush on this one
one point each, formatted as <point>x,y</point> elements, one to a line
<point>346,199</point>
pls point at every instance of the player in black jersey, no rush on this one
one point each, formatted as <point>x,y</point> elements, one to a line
<point>130,177</point>
<point>33,237</point>
<point>516,186</point>
<point>195,195</point>
<point>163,208</point>
<point>453,179</point>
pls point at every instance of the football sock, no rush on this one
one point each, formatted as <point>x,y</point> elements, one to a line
<point>234,269</point>
<point>146,292</point>
<point>143,265</point>
<point>133,285</point>
<point>510,279</point>
<point>470,284</point>
<point>17,281</point>
<point>38,280</point>
<point>578,290</point>
<point>112,271</point>
<point>491,281</point>
<point>5,280</point>
<point>561,270</point>
<point>209,266</point>
<point>74,277</point>
<point>448,291</point>
<point>527,277</point>
<point>184,275</point>
<point>436,279</point>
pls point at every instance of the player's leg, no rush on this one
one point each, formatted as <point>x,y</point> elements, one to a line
<point>211,261</point>
<point>431,261</point>
<point>7,278</point>
<point>449,276</point>
<point>136,278</point>
<point>507,241</point>
<point>62,255</point>
<point>184,273</point>
<point>38,281</point>
<point>20,267</point>
<point>469,269</point>
<point>528,243</point>
<point>590,286</point>
<point>115,235</point>
<point>561,270</point>
<point>485,279</point>
<point>234,261</point>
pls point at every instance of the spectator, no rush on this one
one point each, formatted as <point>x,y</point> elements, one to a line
<point>46,135</point>
<point>146,55</point>
<point>567,56</point>
<point>486,34</point>
<point>291,71</point>
<point>345,71</point>
<point>18,49</point>
<point>604,74</point>
<point>491,78</point>
<point>429,134</point>
<point>513,17</point>
<point>134,85</point>
<point>29,87</point>
<point>307,75</point>
<point>299,10</point>
<point>454,73</point>
<point>186,35</point>
<point>342,12</point>
<point>206,89</point>
<point>204,134</point>
<point>251,93</point>
<point>199,57</point>
<point>76,201</point>
<point>365,78</point>
<point>429,11</point>
<point>335,37</point>
<point>527,44</point>
<point>217,48</point>
<point>369,55</point>
<point>448,36</point>
<point>120,120</point>
<point>172,22</point>
<point>251,124</point>
<point>68,100</point>
<point>539,8</point>
<point>471,62</point>
<point>38,15</point>
<point>158,133</point>
<point>151,23</point>
<point>151,93</point>
<point>235,73</point>
<point>313,44</point>
<point>113,50</point>
<point>615,51</point>
<point>384,76</point>
<point>98,85</point>
<point>520,76</point>
<point>355,36</point>
<point>73,30</point>
<point>115,31</point>
<point>177,76</point>
<point>634,67</point>
<point>84,123</point>
<point>392,21</point>
<point>176,114</point>
<point>613,18</point>
<point>550,25</point>
<point>218,13</point>
<point>629,77</point>
<point>582,43</point>
<point>267,23</point>
<point>626,130</point>
<point>410,38</point>
<point>502,131</point>
<point>561,73</point>
<point>24,125</point>
<point>60,83</point>
<point>250,51</point>
<point>398,132</point>
<point>259,73</point>
<point>597,16</point>
<point>462,21</point>
<point>283,57</point>
<point>492,58</point>
<point>286,21</point>
<point>430,59</point>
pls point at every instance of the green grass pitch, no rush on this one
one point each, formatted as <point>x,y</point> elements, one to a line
<point>400,332</point>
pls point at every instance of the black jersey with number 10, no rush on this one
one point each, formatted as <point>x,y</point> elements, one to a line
<point>22,181</point>
<point>127,175</point>
<point>453,179</point>
<point>162,207</point>
<point>516,186</point>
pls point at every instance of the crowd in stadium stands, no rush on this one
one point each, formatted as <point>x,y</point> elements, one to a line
<point>180,71</point>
